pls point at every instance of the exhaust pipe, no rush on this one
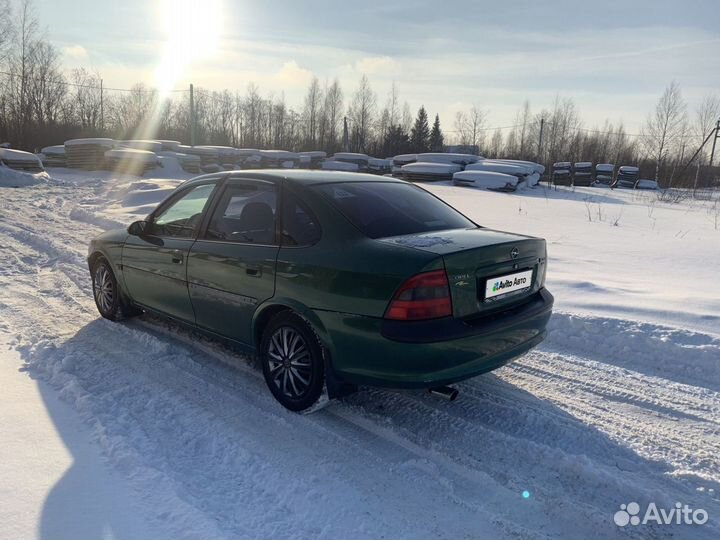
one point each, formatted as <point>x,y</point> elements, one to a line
<point>445,392</point>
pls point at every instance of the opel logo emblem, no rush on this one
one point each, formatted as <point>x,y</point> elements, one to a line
<point>515,253</point>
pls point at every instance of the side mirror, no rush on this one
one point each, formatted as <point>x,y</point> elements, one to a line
<point>137,228</point>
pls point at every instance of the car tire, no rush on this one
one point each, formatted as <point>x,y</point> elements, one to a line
<point>108,298</point>
<point>292,359</point>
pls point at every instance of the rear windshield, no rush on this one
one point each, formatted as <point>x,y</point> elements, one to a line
<point>381,209</point>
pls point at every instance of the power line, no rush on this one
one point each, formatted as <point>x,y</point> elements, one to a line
<point>77,85</point>
<point>492,128</point>
<point>616,133</point>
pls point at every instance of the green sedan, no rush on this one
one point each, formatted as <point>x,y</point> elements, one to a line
<point>331,280</point>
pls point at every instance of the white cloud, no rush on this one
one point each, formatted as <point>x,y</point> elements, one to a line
<point>75,53</point>
<point>292,74</point>
<point>380,65</point>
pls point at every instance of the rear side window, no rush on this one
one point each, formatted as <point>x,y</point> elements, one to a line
<point>384,209</point>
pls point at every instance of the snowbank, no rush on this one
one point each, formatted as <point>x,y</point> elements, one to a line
<point>14,179</point>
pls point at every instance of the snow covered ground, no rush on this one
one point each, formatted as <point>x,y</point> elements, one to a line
<point>143,430</point>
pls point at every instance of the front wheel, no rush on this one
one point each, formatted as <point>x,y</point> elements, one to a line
<point>292,361</point>
<point>108,299</point>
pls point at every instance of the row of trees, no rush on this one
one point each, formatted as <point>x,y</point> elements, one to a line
<point>41,104</point>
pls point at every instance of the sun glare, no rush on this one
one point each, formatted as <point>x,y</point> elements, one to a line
<point>192,31</point>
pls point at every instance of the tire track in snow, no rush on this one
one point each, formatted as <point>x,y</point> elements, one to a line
<point>619,405</point>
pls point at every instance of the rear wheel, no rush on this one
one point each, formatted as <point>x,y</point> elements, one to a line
<point>292,361</point>
<point>108,298</point>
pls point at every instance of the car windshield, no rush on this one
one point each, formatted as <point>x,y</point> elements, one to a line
<point>384,209</point>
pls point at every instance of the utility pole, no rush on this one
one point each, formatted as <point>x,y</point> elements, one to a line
<point>542,127</point>
<point>102,108</point>
<point>717,135</point>
<point>192,116</point>
<point>346,138</point>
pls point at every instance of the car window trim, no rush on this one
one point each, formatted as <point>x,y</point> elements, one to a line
<point>172,199</point>
<point>231,181</point>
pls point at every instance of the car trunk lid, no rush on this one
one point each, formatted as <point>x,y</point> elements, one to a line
<point>487,270</point>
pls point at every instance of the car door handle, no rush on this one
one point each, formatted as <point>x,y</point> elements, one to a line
<point>252,270</point>
<point>177,256</point>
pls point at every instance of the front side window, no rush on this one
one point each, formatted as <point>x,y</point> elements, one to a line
<point>299,225</point>
<point>182,218</point>
<point>245,214</point>
<point>385,209</point>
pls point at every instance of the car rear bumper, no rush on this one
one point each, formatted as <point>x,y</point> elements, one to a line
<point>376,352</point>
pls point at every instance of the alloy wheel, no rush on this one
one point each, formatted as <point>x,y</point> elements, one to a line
<point>289,362</point>
<point>103,288</point>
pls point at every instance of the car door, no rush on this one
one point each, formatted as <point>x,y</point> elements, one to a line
<point>154,264</point>
<point>231,266</point>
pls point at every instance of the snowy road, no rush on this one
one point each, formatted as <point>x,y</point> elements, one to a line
<point>584,423</point>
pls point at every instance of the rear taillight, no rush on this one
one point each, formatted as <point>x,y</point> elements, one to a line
<point>424,296</point>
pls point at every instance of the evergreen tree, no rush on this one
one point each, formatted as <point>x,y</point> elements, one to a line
<point>437,141</point>
<point>420,133</point>
<point>396,141</point>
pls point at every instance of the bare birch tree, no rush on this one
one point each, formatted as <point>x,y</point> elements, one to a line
<point>362,113</point>
<point>665,126</point>
<point>470,126</point>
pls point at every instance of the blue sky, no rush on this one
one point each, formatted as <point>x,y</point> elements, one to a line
<point>613,57</point>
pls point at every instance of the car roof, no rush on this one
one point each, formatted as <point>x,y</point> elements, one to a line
<point>300,176</point>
